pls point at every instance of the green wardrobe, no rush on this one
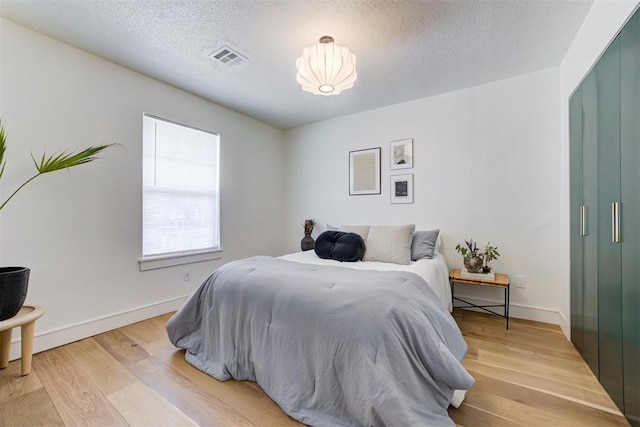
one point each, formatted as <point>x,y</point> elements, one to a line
<point>605,219</point>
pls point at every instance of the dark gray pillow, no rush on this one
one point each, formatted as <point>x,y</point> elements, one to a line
<point>341,246</point>
<point>423,244</point>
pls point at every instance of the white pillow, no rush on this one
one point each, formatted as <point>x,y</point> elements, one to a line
<point>362,230</point>
<point>389,244</point>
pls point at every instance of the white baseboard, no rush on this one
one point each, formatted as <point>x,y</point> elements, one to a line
<point>520,311</point>
<point>54,338</point>
<point>565,325</point>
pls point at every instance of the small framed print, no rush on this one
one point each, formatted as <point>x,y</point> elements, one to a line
<point>401,154</point>
<point>402,188</point>
<point>364,171</point>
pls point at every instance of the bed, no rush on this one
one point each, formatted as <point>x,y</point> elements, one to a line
<point>372,344</point>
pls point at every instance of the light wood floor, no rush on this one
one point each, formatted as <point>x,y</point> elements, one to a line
<point>530,375</point>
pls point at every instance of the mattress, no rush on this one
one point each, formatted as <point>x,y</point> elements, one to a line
<point>434,271</point>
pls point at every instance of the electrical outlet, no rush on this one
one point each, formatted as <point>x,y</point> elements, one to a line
<point>186,275</point>
<point>520,281</point>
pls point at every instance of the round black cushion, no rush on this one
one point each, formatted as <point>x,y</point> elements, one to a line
<point>340,246</point>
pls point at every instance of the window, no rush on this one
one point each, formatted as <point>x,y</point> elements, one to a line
<point>180,187</point>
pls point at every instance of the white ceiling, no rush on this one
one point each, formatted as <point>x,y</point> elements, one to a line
<point>405,49</point>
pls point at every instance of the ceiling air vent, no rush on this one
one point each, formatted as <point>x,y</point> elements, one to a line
<point>228,57</point>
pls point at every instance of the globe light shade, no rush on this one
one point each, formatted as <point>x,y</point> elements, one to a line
<point>326,68</point>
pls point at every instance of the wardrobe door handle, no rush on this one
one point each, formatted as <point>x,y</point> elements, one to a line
<point>615,222</point>
<point>583,220</point>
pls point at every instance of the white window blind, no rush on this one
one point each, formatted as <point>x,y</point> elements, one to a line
<point>180,185</point>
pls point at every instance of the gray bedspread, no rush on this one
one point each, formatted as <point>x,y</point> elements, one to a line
<point>332,346</point>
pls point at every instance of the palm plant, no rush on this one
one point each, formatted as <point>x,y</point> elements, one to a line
<point>52,163</point>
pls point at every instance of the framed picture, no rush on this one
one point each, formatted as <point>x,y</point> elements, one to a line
<point>364,171</point>
<point>401,154</point>
<point>402,188</point>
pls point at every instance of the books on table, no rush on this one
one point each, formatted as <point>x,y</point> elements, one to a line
<point>480,276</point>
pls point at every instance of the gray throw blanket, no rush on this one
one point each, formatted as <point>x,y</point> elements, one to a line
<point>332,346</point>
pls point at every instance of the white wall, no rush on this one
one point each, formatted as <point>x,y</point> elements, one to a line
<point>487,166</point>
<point>80,232</point>
<point>601,25</point>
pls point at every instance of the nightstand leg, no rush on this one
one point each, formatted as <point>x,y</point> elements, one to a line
<point>506,305</point>
<point>451,282</point>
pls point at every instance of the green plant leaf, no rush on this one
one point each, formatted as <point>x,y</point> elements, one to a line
<point>54,162</point>
<point>65,159</point>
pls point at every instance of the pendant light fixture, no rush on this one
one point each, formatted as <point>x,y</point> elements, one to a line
<point>326,68</point>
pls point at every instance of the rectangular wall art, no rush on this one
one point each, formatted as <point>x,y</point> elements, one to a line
<point>401,154</point>
<point>364,171</point>
<point>402,188</point>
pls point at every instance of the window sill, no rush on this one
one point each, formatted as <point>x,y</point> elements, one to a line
<point>162,261</point>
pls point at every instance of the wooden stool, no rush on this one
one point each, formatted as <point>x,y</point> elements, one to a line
<point>26,319</point>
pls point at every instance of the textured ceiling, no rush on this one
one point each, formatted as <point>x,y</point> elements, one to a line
<point>405,49</point>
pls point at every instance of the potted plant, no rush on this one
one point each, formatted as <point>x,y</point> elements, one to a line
<point>489,253</point>
<point>14,281</point>
<point>471,256</point>
<point>308,242</point>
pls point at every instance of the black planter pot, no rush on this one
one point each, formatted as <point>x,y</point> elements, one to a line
<point>14,282</point>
